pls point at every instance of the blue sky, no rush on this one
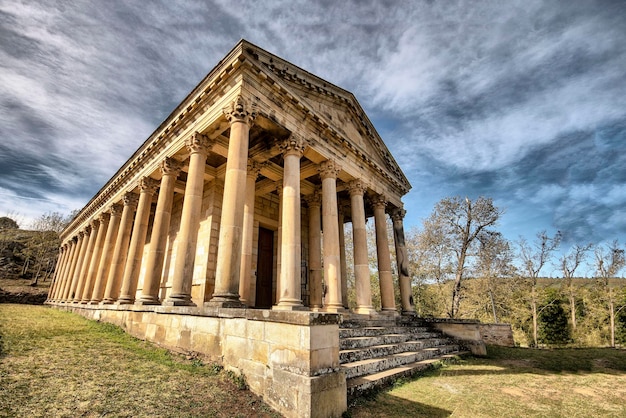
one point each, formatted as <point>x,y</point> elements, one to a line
<point>522,101</point>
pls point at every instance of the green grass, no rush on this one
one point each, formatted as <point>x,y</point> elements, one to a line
<point>58,364</point>
<point>512,382</point>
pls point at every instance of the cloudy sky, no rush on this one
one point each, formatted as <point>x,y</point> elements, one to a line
<point>522,101</point>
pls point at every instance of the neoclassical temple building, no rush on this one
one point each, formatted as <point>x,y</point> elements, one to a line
<point>224,232</point>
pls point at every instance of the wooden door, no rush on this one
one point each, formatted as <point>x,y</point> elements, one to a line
<point>265,269</point>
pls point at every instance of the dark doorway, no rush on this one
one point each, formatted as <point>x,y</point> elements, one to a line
<point>264,269</point>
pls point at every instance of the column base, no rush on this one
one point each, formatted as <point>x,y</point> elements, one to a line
<point>179,300</point>
<point>334,309</point>
<point>125,301</point>
<point>366,310</point>
<point>224,303</point>
<point>108,302</point>
<point>286,307</point>
<point>148,301</point>
<point>93,302</point>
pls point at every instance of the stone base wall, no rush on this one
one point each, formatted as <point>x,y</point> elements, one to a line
<point>476,335</point>
<point>291,359</point>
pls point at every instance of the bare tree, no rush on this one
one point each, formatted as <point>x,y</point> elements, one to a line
<point>609,261</point>
<point>534,257</point>
<point>454,227</point>
<point>494,264</point>
<point>569,263</point>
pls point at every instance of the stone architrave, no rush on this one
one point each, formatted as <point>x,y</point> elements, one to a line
<point>84,243</point>
<point>93,233</point>
<point>241,116</point>
<point>314,202</point>
<point>385,277</point>
<point>291,243</point>
<point>406,294</point>
<point>362,282</point>
<point>95,259</point>
<point>104,266</point>
<point>245,274</point>
<point>332,264</point>
<point>147,188</point>
<point>199,147</point>
<point>170,168</point>
<point>70,268</point>
<point>120,252</point>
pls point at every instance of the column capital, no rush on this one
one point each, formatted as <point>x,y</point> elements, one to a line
<point>314,199</point>
<point>240,111</point>
<point>148,185</point>
<point>294,145</point>
<point>328,169</point>
<point>104,218</point>
<point>170,166</point>
<point>356,188</point>
<point>94,223</point>
<point>82,233</point>
<point>398,214</point>
<point>131,199</point>
<point>379,201</point>
<point>254,168</point>
<point>198,143</point>
<point>116,209</point>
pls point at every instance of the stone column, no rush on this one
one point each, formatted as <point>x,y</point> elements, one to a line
<point>226,294</point>
<point>147,187</point>
<point>330,219</point>
<point>160,231</point>
<point>245,274</point>
<point>84,269</point>
<point>314,202</point>
<point>342,258</point>
<point>57,274</point>
<point>359,238</point>
<point>199,147</point>
<point>121,249</point>
<point>406,294</point>
<point>104,267</point>
<point>69,271</point>
<point>95,259</point>
<point>291,244</point>
<point>385,278</point>
<point>83,243</point>
<point>279,237</point>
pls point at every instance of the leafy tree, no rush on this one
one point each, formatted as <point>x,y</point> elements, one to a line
<point>534,257</point>
<point>609,261</point>
<point>554,328</point>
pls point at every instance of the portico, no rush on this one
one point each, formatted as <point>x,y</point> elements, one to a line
<point>240,196</point>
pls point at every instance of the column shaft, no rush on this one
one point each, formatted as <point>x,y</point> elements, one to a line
<point>361,261</point>
<point>245,274</point>
<point>95,259</point>
<point>330,221</point>
<point>227,271</point>
<point>199,146</point>
<point>291,245</point>
<point>104,267</point>
<point>57,271</point>
<point>342,259</point>
<point>385,278</point>
<point>120,252</point>
<point>279,238</point>
<point>68,273</point>
<point>93,232</point>
<point>315,249</point>
<point>406,294</point>
<point>84,242</point>
<point>147,187</point>
<point>160,231</point>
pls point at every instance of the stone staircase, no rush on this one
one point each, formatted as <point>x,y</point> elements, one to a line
<point>375,353</point>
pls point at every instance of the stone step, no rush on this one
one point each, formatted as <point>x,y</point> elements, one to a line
<point>376,331</point>
<point>369,341</point>
<point>375,365</point>
<point>357,386</point>
<point>351,355</point>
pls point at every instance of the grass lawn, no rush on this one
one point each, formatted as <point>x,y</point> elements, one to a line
<point>58,364</point>
<point>512,382</point>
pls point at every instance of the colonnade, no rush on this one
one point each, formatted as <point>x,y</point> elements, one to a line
<point>101,264</point>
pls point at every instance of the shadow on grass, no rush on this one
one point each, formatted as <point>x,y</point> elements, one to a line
<point>388,405</point>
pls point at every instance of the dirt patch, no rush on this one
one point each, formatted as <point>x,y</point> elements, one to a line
<point>33,298</point>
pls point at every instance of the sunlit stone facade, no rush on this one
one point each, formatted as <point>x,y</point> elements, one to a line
<point>234,208</point>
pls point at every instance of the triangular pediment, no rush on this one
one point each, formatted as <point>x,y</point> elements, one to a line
<point>337,107</point>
